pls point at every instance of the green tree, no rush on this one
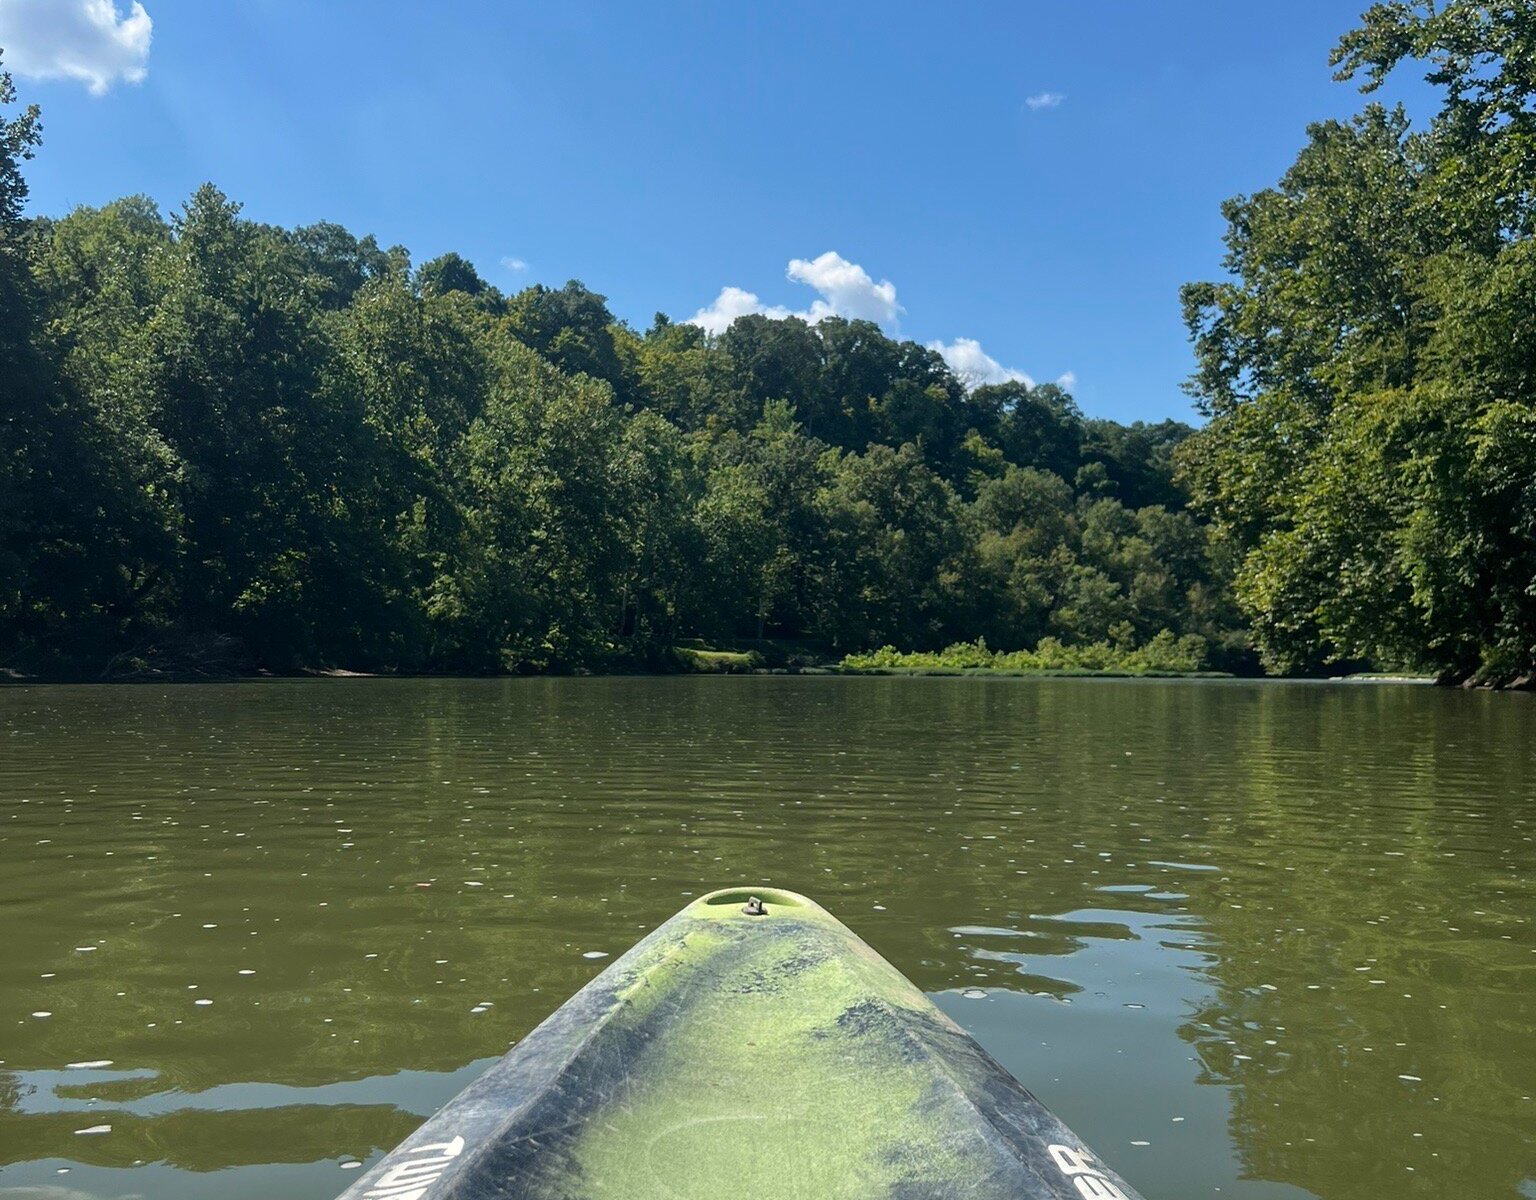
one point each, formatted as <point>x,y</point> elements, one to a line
<point>78,525</point>
<point>1367,369</point>
<point>1025,531</point>
<point>691,383</point>
<point>572,327</point>
<point>896,556</point>
<point>229,371</point>
<point>660,490</point>
<point>454,273</point>
<point>766,532</point>
<point>539,580</point>
<point>338,264</point>
<point>226,442</point>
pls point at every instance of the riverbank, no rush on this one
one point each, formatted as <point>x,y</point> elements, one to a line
<point>713,662</point>
<point>717,662</point>
<point>1163,657</point>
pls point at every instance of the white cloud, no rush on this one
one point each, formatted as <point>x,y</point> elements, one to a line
<point>513,263</point>
<point>76,39</point>
<point>847,290</point>
<point>974,366</point>
<point>1044,100</point>
<point>733,302</point>
<point>1067,380</point>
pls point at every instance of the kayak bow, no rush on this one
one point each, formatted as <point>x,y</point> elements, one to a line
<point>745,1055</point>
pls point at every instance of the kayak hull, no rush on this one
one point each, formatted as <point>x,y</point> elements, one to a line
<point>730,1056</point>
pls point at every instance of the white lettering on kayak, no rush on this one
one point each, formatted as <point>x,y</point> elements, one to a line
<point>1078,1166</point>
<point>410,1179</point>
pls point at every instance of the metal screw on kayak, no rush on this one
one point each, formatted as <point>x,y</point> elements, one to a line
<point>754,908</point>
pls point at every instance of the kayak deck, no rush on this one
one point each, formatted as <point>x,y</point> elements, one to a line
<point>730,1056</point>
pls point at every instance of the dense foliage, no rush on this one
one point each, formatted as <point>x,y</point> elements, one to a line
<point>227,444</point>
<point>1163,655</point>
<point>1370,369</point>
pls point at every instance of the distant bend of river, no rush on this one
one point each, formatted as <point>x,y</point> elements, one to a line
<point>1250,940</point>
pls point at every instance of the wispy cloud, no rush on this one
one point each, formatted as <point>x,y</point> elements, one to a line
<point>85,40</point>
<point>514,264</point>
<point>1041,100</point>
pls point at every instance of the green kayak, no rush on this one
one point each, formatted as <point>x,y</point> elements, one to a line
<point>751,1048</point>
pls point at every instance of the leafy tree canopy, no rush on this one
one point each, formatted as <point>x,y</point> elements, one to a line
<point>1368,366</point>
<point>230,444</point>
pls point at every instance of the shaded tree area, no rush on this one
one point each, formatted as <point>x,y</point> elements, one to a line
<point>1369,367</point>
<point>229,445</point>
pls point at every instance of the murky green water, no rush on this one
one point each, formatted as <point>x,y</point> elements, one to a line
<point>1250,939</point>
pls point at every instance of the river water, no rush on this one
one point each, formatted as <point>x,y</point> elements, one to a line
<point>1258,940</point>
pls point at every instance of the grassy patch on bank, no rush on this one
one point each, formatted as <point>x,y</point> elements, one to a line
<point>1164,654</point>
<point>698,659</point>
<point>779,656</point>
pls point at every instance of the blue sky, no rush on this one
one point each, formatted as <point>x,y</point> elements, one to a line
<point>1036,177</point>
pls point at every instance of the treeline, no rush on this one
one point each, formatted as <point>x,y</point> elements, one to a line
<point>1370,367</point>
<point>225,440</point>
<point>288,448</point>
